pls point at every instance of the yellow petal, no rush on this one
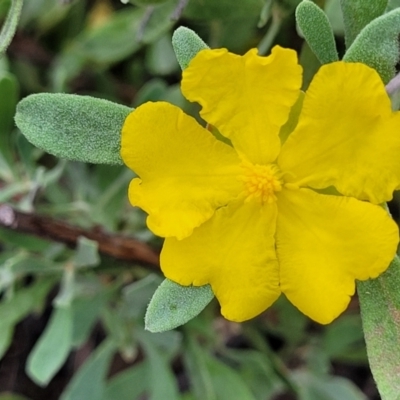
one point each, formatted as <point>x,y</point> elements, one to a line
<point>248,98</point>
<point>235,253</point>
<point>347,135</point>
<point>185,173</point>
<point>326,242</point>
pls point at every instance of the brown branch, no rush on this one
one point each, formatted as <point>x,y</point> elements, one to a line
<point>116,246</point>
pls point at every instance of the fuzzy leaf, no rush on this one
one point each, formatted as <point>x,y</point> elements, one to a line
<point>316,29</point>
<point>186,45</point>
<point>380,311</point>
<point>377,45</point>
<point>359,13</point>
<point>79,128</point>
<point>173,305</point>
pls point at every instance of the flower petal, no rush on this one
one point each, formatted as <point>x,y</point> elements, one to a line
<point>235,253</point>
<point>185,172</point>
<point>248,98</point>
<point>347,135</point>
<point>326,242</point>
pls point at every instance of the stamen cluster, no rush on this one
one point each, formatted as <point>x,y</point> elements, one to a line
<point>261,182</point>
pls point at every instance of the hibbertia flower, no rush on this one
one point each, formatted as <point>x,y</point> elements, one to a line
<point>265,212</point>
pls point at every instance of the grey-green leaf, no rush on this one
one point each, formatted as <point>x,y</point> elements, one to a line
<point>128,384</point>
<point>87,254</point>
<point>227,383</point>
<point>159,372</point>
<point>15,309</point>
<point>359,13</point>
<point>317,387</point>
<point>173,305</point>
<point>377,45</point>
<point>380,312</point>
<point>89,382</point>
<point>186,44</point>
<point>52,348</point>
<point>316,29</point>
<point>79,128</point>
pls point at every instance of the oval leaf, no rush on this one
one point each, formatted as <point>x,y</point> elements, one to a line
<point>359,13</point>
<point>377,45</point>
<point>79,128</point>
<point>173,305</point>
<point>316,29</point>
<point>186,44</point>
<point>52,348</point>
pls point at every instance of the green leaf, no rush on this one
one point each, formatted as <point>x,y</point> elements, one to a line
<point>108,43</point>
<point>317,387</point>
<point>87,254</point>
<point>335,16</point>
<point>10,25</point>
<point>173,305</point>
<point>258,371</point>
<point>52,348</point>
<point>380,312</point>
<point>79,128</point>
<point>152,90</point>
<point>186,44</point>
<point>137,294</point>
<point>9,90</point>
<point>89,382</point>
<point>316,29</point>
<point>129,384</point>
<point>377,45</point>
<point>227,383</point>
<point>359,13</point>
<point>118,38</point>
<point>291,123</point>
<point>45,14</point>
<point>209,10</point>
<point>85,312</point>
<point>15,309</point>
<point>11,396</point>
<point>159,373</point>
<point>392,5</point>
<point>160,57</point>
<point>351,346</point>
<point>196,364</point>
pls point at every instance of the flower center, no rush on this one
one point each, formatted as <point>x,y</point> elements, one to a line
<point>261,181</point>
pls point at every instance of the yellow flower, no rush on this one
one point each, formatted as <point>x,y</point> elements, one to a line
<point>249,219</point>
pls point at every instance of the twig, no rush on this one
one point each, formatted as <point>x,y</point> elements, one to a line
<point>393,86</point>
<point>116,246</point>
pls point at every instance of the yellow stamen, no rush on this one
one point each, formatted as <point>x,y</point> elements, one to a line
<point>261,182</point>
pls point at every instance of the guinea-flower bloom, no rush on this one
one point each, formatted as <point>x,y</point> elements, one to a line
<point>253,218</point>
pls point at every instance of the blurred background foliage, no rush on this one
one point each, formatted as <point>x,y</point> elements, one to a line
<point>72,306</point>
